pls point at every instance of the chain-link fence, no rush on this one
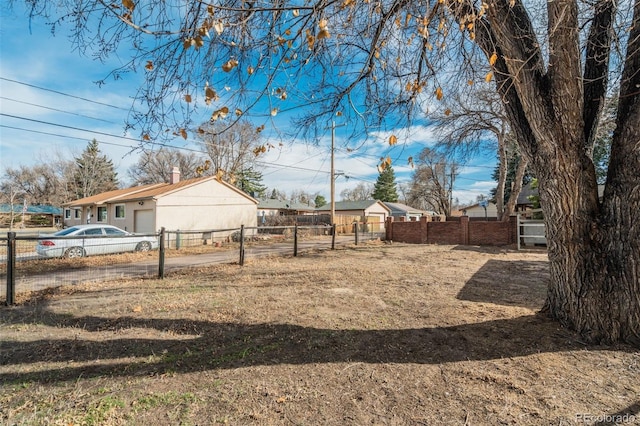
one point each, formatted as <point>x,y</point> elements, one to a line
<point>30,263</point>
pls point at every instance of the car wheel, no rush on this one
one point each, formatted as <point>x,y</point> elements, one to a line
<point>74,252</point>
<point>143,246</point>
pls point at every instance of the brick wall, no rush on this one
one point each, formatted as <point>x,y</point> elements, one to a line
<point>444,233</point>
<point>462,231</point>
<point>408,232</point>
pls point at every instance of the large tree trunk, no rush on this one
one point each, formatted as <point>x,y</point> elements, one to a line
<point>594,247</point>
<point>502,176</point>
<point>510,207</point>
<point>595,255</point>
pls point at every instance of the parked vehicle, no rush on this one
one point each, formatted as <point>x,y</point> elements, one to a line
<point>89,240</point>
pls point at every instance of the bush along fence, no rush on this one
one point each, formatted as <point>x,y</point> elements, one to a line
<point>26,271</point>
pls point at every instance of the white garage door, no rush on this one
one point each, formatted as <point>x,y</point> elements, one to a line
<point>143,222</point>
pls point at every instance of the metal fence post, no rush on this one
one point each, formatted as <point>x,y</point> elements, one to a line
<point>355,224</point>
<point>161,254</point>
<point>11,266</point>
<point>241,245</point>
<point>295,240</point>
<point>178,239</point>
<point>333,236</point>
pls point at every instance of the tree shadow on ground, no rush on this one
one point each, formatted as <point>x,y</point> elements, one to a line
<point>511,283</point>
<point>629,415</point>
<point>193,345</point>
<point>512,248</point>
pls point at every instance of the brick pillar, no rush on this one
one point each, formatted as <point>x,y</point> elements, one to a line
<point>424,229</point>
<point>513,229</point>
<point>388,229</point>
<point>464,230</point>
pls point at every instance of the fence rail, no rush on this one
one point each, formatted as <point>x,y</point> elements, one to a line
<point>531,232</point>
<point>25,270</point>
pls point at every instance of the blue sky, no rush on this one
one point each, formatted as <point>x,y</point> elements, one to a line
<point>51,107</point>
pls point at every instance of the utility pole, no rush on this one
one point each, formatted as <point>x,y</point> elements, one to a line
<point>333,172</point>
<point>451,181</point>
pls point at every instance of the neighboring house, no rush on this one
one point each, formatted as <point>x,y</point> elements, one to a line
<point>286,213</point>
<point>476,210</point>
<point>399,210</point>
<point>372,211</point>
<point>525,202</point>
<point>271,207</point>
<point>35,215</point>
<point>194,204</point>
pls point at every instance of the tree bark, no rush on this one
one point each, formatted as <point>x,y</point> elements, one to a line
<point>502,176</point>
<point>594,247</point>
<point>510,207</point>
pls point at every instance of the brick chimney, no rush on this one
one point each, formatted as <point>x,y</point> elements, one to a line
<point>175,175</point>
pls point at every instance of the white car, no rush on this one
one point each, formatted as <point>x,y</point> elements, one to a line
<point>88,240</point>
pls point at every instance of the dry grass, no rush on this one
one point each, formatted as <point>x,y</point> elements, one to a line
<point>42,265</point>
<point>382,334</point>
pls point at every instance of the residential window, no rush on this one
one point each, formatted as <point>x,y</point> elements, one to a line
<point>120,211</point>
<point>102,214</point>
<point>76,213</point>
<point>67,213</point>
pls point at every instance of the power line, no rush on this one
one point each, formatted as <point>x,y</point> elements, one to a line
<point>265,164</point>
<point>67,127</point>
<point>398,158</point>
<point>63,136</point>
<point>63,94</point>
<point>56,110</point>
<point>131,139</point>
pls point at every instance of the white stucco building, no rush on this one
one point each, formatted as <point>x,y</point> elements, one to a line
<point>204,203</point>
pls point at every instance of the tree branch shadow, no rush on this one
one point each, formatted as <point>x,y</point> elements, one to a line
<point>630,415</point>
<point>207,345</point>
<point>511,283</point>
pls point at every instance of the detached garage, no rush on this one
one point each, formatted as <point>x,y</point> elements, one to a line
<point>191,205</point>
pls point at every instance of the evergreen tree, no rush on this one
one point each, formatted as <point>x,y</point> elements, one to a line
<point>319,201</point>
<point>603,138</point>
<point>250,181</point>
<point>385,187</point>
<point>94,172</point>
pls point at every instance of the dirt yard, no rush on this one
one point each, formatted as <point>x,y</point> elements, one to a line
<point>375,334</point>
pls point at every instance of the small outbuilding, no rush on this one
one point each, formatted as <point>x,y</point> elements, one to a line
<point>486,209</point>
<point>29,215</point>
<point>373,212</point>
<point>271,207</point>
<point>409,213</point>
